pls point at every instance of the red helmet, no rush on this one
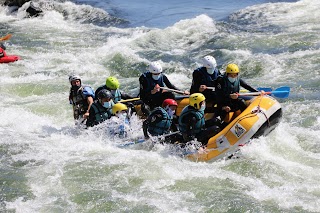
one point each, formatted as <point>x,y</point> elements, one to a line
<point>169,102</point>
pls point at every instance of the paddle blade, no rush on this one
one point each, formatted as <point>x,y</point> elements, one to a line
<point>281,92</point>
<point>266,89</point>
<point>7,37</point>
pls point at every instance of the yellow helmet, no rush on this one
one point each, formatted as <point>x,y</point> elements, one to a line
<point>195,99</point>
<point>232,69</point>
<point>118,107</point>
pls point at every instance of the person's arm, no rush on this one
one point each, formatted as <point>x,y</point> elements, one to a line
<point>223,99</point>
<point>145,128</point>
<point>90,102</point>
<point>91,118</point>
<point>247,86</point>
<point>168,83</point>
<point>125,96</point>
<point>144,95</point>
<point>173,126</point>
<point>190,121</point>
<point>196,82</point>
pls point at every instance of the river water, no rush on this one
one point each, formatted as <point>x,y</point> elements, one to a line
<point>48,165</point>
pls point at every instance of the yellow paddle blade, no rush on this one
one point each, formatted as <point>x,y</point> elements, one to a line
<point>4,38</point>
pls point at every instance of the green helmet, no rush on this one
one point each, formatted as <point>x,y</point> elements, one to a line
<point>112,83</point>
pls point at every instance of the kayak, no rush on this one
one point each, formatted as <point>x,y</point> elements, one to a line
<point>261,116</point>
<point>9,59</point>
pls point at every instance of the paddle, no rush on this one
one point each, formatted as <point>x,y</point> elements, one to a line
<point>213,89</point>
<point>128,100</point>
<point>172,90</point>
<point>141,140</point>
<point>4,38</point>
<point>266,89</point>
<point>281,92</point>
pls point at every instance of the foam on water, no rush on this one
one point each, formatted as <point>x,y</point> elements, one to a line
<point>48,165</point>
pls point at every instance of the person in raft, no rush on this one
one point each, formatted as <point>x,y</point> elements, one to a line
<point>113,85</point>
<point>101,109</point>
<point>205,77</point>
<point>227,93</point>
<point>150,92</point>
<point>192,123</point>
<point>161,122</point>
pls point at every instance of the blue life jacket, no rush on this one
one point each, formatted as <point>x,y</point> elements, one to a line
<point>152,83</point>
<point>229,87</point>
<point>79,99</point>
<point>198,114</point>
<point>207,79</point>
<point>161,127</point>
<point>116,95</point>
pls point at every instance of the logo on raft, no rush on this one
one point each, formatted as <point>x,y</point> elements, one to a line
<point>238,130</point>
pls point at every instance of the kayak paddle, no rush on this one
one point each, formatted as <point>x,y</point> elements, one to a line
<point>281,92</point>
<point>4,38</point>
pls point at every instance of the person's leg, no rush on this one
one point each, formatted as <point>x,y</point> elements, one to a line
<point>242,104</point>
<point>208,133</point>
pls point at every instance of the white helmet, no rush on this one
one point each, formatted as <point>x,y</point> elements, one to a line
<point>155,68</point>
<point>209,62</point>
<point>73,78</point>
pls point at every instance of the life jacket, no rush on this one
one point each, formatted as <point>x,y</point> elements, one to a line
<point>208,79</point>
<point>161,127</point>
<point>151,83</point>
<point>229,87</point>
<point>116,95</point>
<point>79,99</point>
<point>198,114</point>
<point>101,113</point>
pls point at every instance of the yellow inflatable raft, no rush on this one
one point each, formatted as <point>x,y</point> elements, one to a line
<point>260,117</point>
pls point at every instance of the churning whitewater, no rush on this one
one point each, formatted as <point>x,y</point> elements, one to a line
<point>49,165</point>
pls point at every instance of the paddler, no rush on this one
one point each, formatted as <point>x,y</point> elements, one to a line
<point>161,121</point>
<point>119,123</point>
<point>101,109</point>
<point>227,90</point>
<point>192,123</point>
<point>150,92</point>
<point>204,77</point>
<point>112,84</point>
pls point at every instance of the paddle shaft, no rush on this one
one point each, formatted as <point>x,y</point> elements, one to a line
<point>212,88</point>
<point>172,90</point>
<point>128,100</point>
